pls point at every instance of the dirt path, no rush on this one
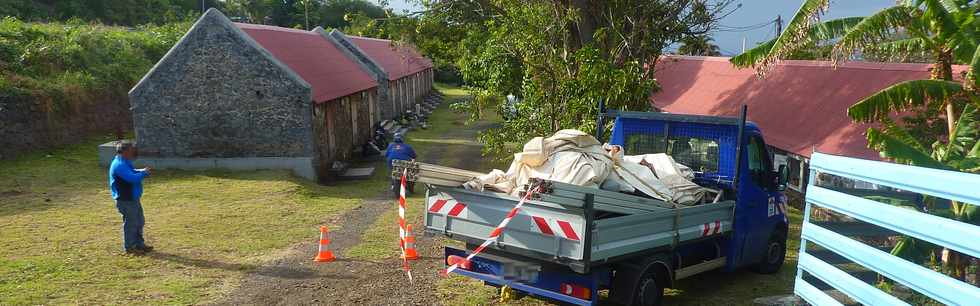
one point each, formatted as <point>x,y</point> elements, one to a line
<point>293,279</point>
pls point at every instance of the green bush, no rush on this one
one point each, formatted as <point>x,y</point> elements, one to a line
<point>76,62</point>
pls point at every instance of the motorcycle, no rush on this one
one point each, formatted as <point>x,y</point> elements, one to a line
<point>380,138</point>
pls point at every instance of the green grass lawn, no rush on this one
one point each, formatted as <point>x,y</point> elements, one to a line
<point>60,239</point>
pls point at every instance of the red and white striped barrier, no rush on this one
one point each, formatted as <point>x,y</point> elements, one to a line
<point>448,207</point>
<point>496,231</point>
<point>555,227</point>
<point>711,228</point>
<point>402,230</point>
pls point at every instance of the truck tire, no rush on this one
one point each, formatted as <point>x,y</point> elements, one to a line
<point>648,291</point>
<point>775,254</point>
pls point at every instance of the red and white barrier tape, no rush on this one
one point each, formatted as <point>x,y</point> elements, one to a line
<point>401,226</point>
<point>496,232</point>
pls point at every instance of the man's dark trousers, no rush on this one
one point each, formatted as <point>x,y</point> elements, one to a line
<point>132,228</point>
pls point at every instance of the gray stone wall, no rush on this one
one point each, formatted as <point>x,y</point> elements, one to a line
<point>28,124</point>
<point>217,94</point>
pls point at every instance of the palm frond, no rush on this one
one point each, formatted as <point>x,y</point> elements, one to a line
<point>902,134</point>
<point>964,134</point>
<point>753,56</point>
<point>873,30</point>
<point>968,164</point>
<point>975,152</point>
<point>833,29</point>
<point>950,5</point>
<point>903,96</point>
<point>795,33</point>
<point>824,31</point>
<point>894,148</point>
<point>899,50</point>
<point>941,20</point>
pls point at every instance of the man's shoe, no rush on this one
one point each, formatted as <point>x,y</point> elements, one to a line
<point>146,248</point>
<point>135,251</point>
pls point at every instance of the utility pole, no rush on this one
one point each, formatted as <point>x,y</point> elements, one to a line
<point>779,25</point>
<point>306,13</point>
<point>202,7</point>
<point>743,44</point>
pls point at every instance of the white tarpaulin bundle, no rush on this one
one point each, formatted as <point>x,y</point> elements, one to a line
<point>574,157</point>
<point>569,156</point>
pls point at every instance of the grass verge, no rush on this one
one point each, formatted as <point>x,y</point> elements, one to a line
<point>60,242</point>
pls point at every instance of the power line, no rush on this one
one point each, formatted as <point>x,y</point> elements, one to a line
<point>724,28</point>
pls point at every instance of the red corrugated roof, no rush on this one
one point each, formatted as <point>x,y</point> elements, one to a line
<point>331,74</point>
<point>799,105</point>
<point>397,61</point>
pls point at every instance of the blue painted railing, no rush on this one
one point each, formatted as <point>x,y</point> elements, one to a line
<point>952,234</point>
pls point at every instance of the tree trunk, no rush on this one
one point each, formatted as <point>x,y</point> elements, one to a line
<point>945,67</point>
<point>586,23</point>
<point>954,261</point>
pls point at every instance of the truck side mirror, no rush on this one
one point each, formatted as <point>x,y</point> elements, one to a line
<point>783,178</point>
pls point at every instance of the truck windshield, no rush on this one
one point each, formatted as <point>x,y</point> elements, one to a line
<point>701,154</point>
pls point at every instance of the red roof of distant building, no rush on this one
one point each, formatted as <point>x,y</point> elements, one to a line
<point>398,61</point>
<point>799,105</point>
<point>331,74</point>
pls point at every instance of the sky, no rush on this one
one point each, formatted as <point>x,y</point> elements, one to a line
<point>752,12</point>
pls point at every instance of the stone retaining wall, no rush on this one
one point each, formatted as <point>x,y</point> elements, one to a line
<point>29,125</point>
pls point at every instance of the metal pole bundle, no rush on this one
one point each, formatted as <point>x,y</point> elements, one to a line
<point>433,174</point>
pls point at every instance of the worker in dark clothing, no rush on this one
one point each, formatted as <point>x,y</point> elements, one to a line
<point>399,150</point>
<point>126,184</point>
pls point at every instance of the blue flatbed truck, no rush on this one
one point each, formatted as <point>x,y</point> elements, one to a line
<point>569,242</point>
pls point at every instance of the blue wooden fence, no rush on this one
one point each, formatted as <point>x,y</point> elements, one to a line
<point>952,234</point>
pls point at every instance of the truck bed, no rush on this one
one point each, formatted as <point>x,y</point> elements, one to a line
<point>555,225</point>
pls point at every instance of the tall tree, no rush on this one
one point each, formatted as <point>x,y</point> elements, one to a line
<point>698,45</point>
<point>562,56</point>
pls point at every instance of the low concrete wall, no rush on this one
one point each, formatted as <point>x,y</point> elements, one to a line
<point>301,166</point>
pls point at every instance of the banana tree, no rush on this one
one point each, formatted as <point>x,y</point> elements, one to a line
<point>945,31</point>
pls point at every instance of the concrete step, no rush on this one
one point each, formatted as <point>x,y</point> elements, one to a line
<point>356,174</point>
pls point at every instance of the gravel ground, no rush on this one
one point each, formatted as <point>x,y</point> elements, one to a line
<point>294,279</point>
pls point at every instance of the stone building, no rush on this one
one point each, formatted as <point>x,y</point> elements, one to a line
<point>404,76</point>
<point>242,96</point>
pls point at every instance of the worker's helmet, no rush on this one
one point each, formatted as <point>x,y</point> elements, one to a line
<point>399,138</point>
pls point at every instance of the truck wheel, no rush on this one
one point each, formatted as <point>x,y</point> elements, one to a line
<point>648,292</point>
<point>775,254</point>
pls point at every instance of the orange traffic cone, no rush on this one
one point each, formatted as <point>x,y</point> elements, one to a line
<point>410,252</point>
<point>324,255</point>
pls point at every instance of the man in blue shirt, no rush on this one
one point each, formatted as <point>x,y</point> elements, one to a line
<point>126,184</point>
<point>399,150</point>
